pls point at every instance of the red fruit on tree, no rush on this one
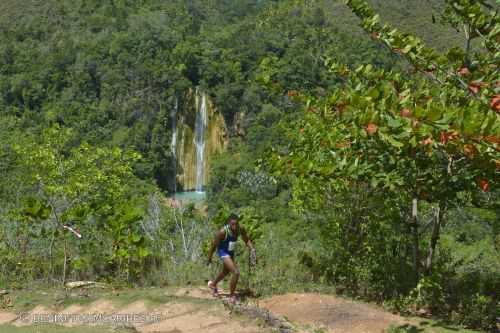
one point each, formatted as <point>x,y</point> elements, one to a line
<point>470,151</point>
<point>448,136</point>
<point>474,87</point>
<point>484,185</point>
<point>371,128</point>
<point>453,135</point>
<point>427,141</point>
<point>405,113</point>
<point>495,103</point>
<point>444,137</point>
<point>463,71</point>
<point>492,139</point>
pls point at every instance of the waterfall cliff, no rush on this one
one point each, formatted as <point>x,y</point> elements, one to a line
<point>199,139</point>
<point>200,133</point>
<point>173,144</point>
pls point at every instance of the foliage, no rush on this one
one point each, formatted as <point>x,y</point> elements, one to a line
<point>479,311</point>
<point>386,185</point>
<point>85,187</point>
<point>430,137</point>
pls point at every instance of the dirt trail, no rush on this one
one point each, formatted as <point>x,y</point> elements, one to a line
<point>332,314</point>
<point>6,317</point>
<point>194,310</point>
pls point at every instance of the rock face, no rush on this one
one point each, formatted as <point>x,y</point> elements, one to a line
<point>191,162</point>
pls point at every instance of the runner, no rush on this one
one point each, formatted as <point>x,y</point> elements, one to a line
<point>225,242</point>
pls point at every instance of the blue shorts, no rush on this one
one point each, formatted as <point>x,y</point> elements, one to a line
<point>223,253</point>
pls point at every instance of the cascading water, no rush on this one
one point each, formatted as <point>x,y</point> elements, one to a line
<point>173,115</point>
<point>199,139</point>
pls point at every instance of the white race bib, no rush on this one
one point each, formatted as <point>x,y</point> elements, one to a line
<point>232,246</point>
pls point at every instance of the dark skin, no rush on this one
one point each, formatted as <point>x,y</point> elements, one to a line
<point>229,264</point>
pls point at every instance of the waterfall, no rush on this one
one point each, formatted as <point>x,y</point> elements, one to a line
<point>173,115</point>
<point>199,139</point>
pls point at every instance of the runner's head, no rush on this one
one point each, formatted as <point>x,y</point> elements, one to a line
<point>232,220</point>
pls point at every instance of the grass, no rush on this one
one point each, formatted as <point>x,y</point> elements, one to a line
<point>27,299</point>
<point>428,326</point>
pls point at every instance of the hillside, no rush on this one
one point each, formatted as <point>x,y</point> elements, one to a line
<point>354,157</point>
<point>411,16</point>
<point>417,16</point>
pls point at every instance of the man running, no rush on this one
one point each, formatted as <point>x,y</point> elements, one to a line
<point>225,242</point>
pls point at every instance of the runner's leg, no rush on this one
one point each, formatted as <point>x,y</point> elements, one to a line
<point>231,267</point>
<point>221,275</point>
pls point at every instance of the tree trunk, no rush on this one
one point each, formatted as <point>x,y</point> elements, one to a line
<point>416,251</point>
<point>436,228</point>
<point>467,31</point>
<point>65,261</point>
<point>50,274</point>
<point>52,240</point>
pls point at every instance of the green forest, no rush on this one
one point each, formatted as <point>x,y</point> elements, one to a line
<point>358,141</point>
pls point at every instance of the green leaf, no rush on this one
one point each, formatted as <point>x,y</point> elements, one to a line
<point>391,140</point>
<point>143,252</point>
<point>374,93</point>
<point>136,238</point>
<point>434,114</point>
<point>394,123</point>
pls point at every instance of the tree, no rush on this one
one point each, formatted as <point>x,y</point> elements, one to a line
<point>85,187</point>
<point>428,136</point>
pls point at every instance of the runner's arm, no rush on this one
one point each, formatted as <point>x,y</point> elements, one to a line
<point>246,239</point>
<point>219,236</point>
<point>248,242</point>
